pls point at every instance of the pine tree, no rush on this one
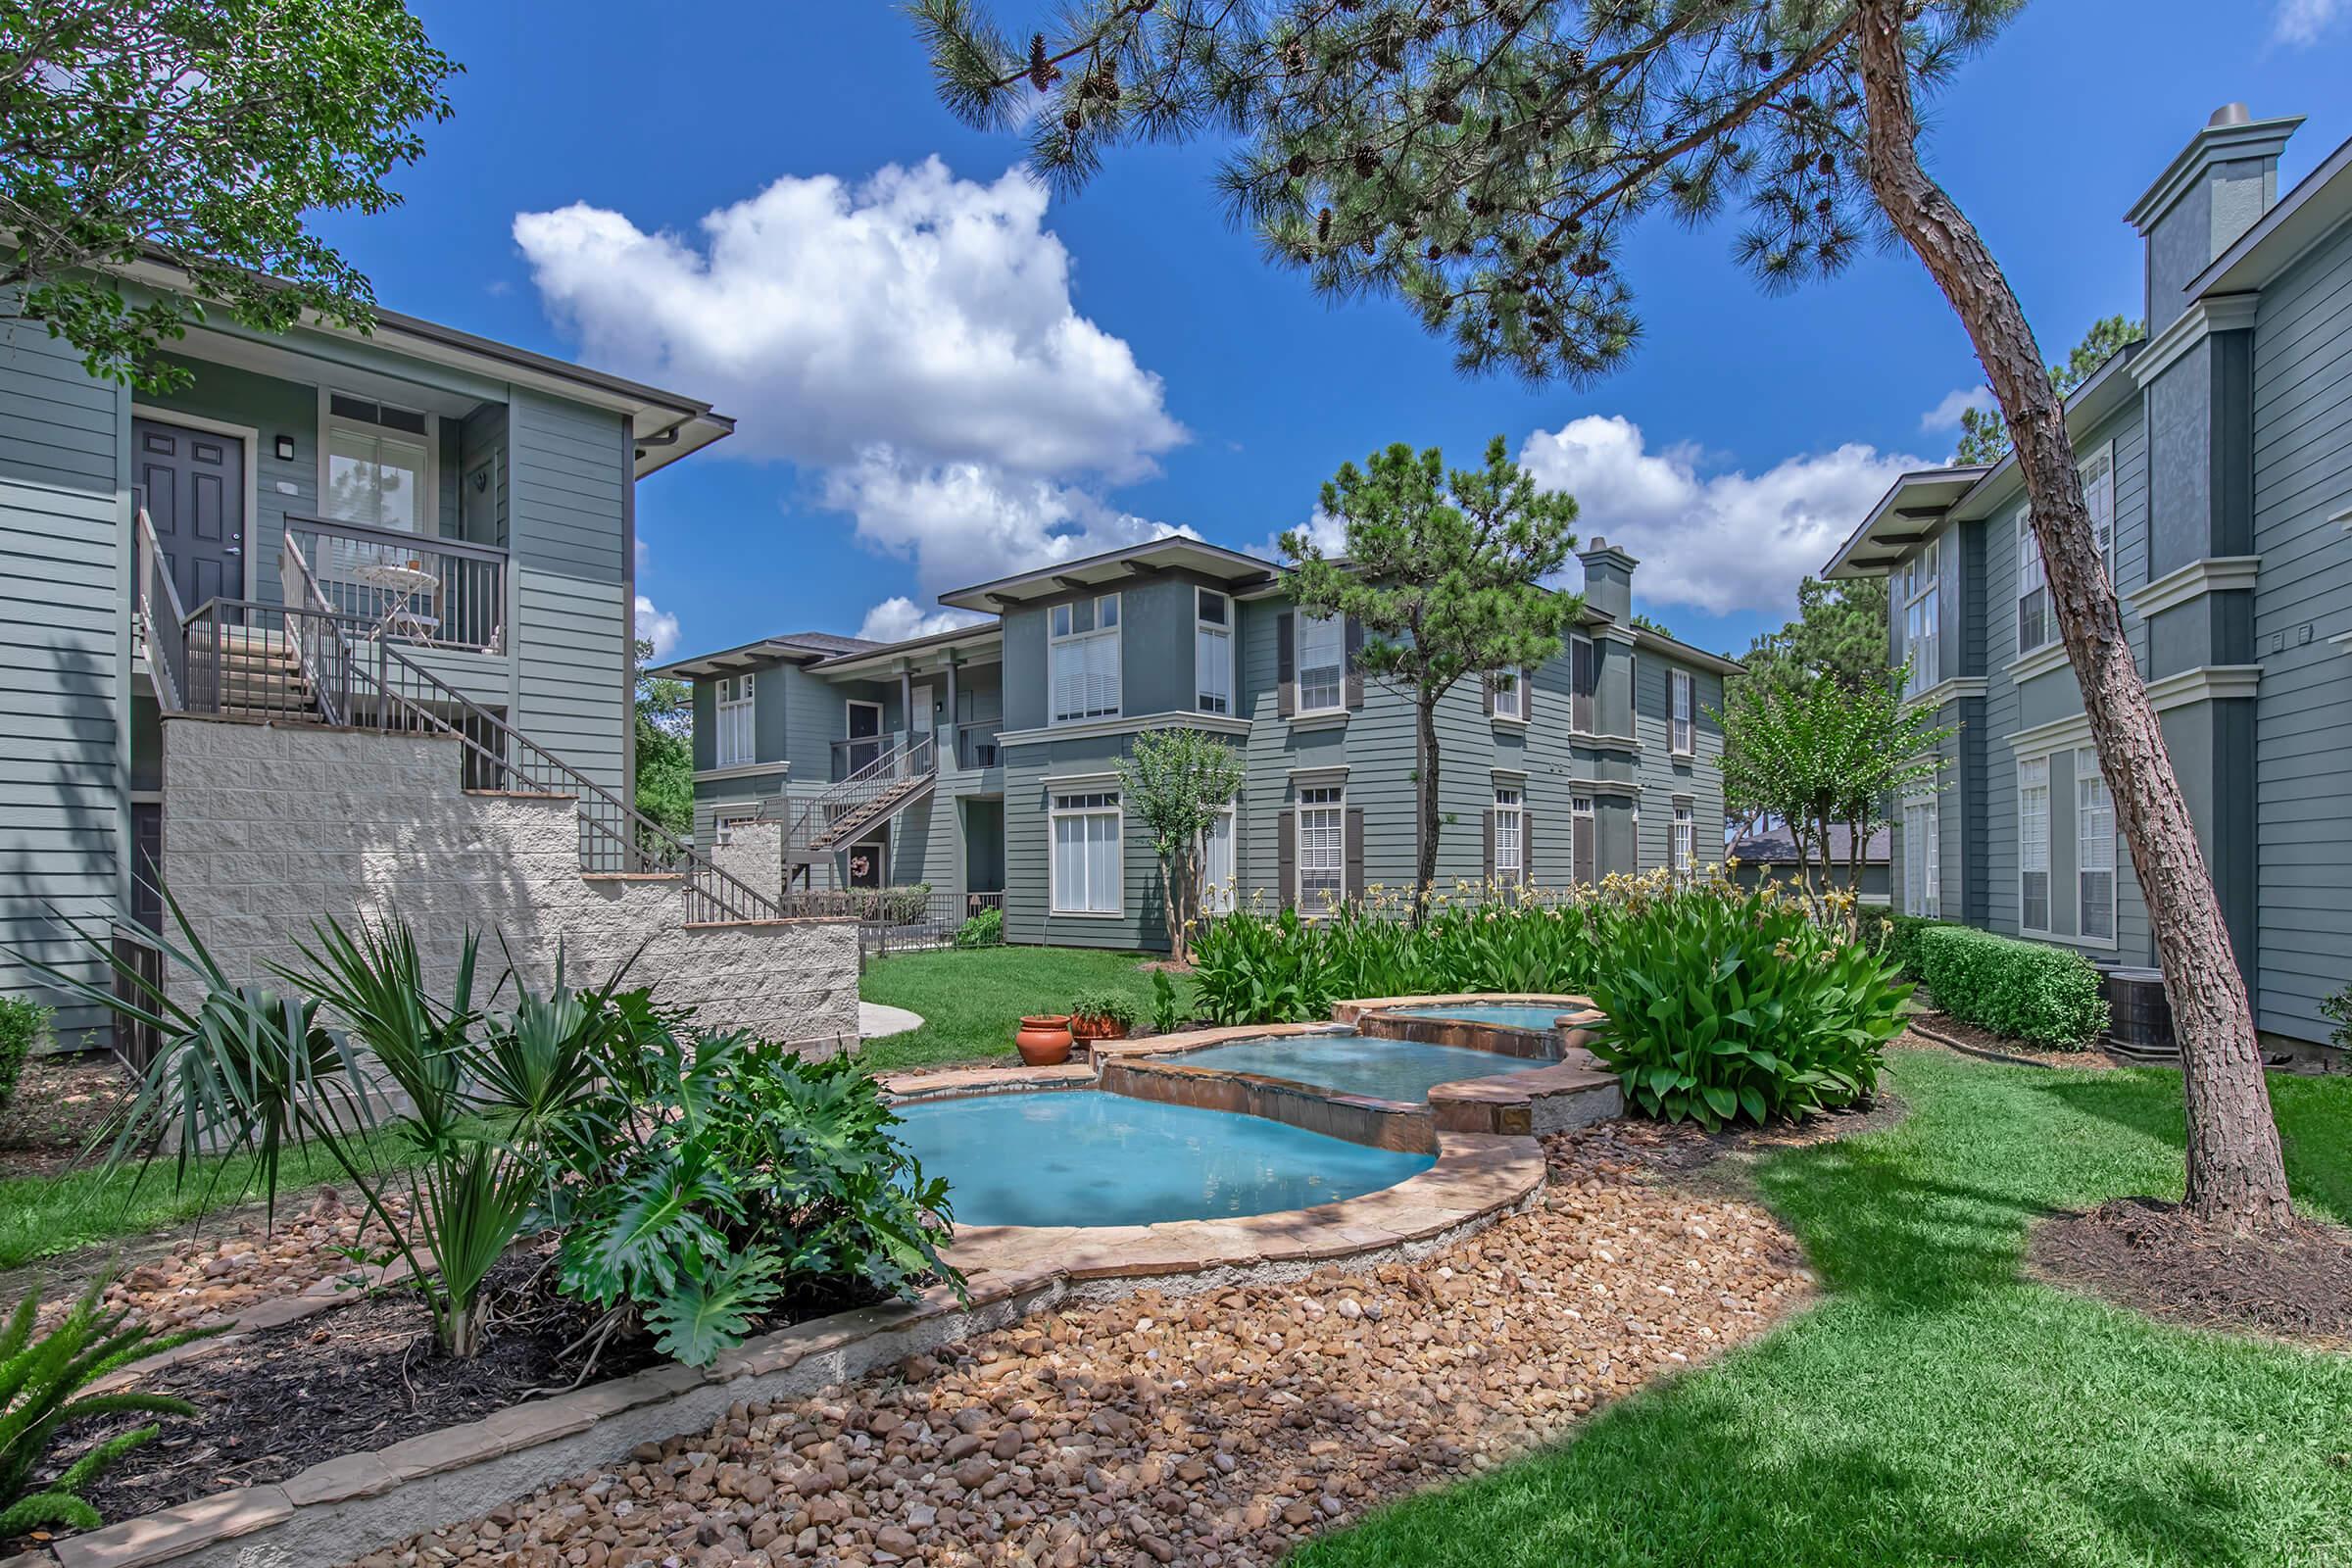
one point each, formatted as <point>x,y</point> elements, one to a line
<point>1982,436</point>
<point>1443,570</point>
<point>1482,160</point>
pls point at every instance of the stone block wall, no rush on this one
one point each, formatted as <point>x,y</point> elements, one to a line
<point>753,855</point>
<point>268,829</point>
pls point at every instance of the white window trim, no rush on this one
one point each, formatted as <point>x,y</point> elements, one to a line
<point>1205,631</point>
<point>1681,818</point>
<point>724,707</point>
<point>428,515</point>
<point>2104,453</point>
<point>1117,637</point>
<point>1516,811</point>
<point>1298,708</point>
<point>725,817</point>
<point>2088,756</point>
<point>1230,816</point>
<point>881,713</point>
<point>1317,909</point>
<point>2023,764</point>
<point>1923,896</point>
<point>1923,680</point>
<point>1518,695</point>
<point>1683,683</point>
<point>1118,846</point>
<point>2021,536</point>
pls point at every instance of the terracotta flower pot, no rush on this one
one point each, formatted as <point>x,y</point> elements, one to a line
<point>1083,1027</point>
<point>1044,1039</point>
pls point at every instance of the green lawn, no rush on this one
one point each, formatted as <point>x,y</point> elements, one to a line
<point>1935,1408</point>
<point>41,1216</point>
<point>971,1000</point>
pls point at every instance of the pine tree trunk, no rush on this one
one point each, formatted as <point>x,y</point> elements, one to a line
<point>2235,1172</point>
<point>1425,859</point>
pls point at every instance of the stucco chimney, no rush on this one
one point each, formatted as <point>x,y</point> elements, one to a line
<point>1608,579</point>
<point>2213,191</point>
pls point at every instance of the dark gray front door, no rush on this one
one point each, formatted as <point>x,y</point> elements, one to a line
<point>195,483</point>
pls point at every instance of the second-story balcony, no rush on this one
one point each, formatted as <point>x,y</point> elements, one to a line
<point>418,588</point>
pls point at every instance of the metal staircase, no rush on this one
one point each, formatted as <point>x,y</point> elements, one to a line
<point>307,661</point>
<point>866,799</point>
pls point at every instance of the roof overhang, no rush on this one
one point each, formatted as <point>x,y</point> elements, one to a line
<point>1658,641</point>
<point>663,426</point>
<point>1116,569</point>
<point>938,645</point>
<point>2320,203</point>
<point>1913,508</point>
<point>733,660</point>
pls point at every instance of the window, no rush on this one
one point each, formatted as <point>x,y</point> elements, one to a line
<point>1581,680</point>
<point>2098,499</point>
<point>2095,846</point>
<point>2033,844</point>
<point>1510,694</point>
<point>379,465</point>
<point>728,819</point>
<point>1922,639</point>
<point>1217,873</point>
<point>1681,843</point>
<point>1212,651</point>
<point>2033,620</point>
<point>1923,857</point>
<point>1083,655</point>
<point>736,744</point>
<point>1086,853</point>
<point>1322,849</point>
<point>1510,838</point>
<point>1686,738</point>
<point>1322,654</point>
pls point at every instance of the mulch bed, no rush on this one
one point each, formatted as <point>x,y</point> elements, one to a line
<point>63,1106</point>
<point>2159,1259</point>
<point>357,1378</point>
<point>1677,1146</point>
<point>1978,1042</point>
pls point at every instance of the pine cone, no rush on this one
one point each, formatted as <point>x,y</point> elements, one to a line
<point>1040,69</point>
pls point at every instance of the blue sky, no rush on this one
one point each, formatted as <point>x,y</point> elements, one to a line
<point>939,374</point>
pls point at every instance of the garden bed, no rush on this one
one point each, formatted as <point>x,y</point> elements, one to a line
<point>2159,1259</point>
<point>1942,1029</point>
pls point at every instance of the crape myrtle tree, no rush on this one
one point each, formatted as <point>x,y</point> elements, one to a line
<point>1176,781</point>
<point>1484,160</point>
<point>1443,570</point>
<point>198,137</point>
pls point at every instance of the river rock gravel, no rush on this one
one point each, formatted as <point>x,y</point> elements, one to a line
<point>1215,1429</point>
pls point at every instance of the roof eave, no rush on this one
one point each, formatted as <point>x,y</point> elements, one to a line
<point>1063,576</point>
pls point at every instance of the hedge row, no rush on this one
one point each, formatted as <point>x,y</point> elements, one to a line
<point>2025,989</point>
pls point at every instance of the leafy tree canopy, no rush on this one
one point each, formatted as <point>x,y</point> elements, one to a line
<point>665,728</point>
<point>200,135</point>
<point>1480,158</point>
<point>1984,438</point>
<point>1840,635</point>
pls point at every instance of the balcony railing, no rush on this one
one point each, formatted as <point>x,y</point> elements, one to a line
<point>419,588</point>
<point>976,744</point>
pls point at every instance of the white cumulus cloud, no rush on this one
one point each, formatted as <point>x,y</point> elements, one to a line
<point>899,617</point>
<point>916,310</point>
<point>656,627</point>
<point>1946,415</point>
<point>1716,541</point>
<point>2302,22</point>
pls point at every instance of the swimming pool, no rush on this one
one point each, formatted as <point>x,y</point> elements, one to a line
<point>1543,1015</point>
<point>1081,1156</point>
<point>1356,1064</point>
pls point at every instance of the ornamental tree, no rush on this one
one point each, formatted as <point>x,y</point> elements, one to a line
<point>1483,161</point>
<point>1177,781</point>
<point>1444,571</point>
<point>196,139</point>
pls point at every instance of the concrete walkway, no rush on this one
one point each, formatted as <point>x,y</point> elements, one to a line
<point>875,1020</point>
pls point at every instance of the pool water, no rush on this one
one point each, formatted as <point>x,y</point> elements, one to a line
<point>1080,1157</point>
<point>1543,1015</point>
<point>1356,1064</point>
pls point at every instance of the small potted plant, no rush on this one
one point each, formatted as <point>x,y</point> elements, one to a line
<point>1102,1015</point>
<point>1044,1039</point>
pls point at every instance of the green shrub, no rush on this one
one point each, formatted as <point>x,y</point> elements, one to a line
<point>1105,1007</point>
<point>902,906</point>
<point>23,1022</point>
<point>983,930</point>
<point>2026,991</point>
<point>2336,1010</point>
<point>1164,1011</point>
<point>1903,933</point>
<point>1722,1005</point>
<point>42,1379</point>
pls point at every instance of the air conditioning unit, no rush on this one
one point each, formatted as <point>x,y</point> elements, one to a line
<point>2140,1020</point>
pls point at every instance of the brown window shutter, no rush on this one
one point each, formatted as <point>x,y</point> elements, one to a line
<point>1581,683</point>
<point>1527,849</point>
<point>1355,851</point>
<point>1526,696</point>
<point>1580,851</point>
<point>1489,822</point>
<point>1286,671</point>
<point>1354,636</point>
<point>1286,854</point>
<point>1486,688</point>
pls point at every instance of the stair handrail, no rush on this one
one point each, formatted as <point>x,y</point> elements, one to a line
<point>646,844</point>
<point>296,582</point>
<point>159,604</point>
<point>915,758</point>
